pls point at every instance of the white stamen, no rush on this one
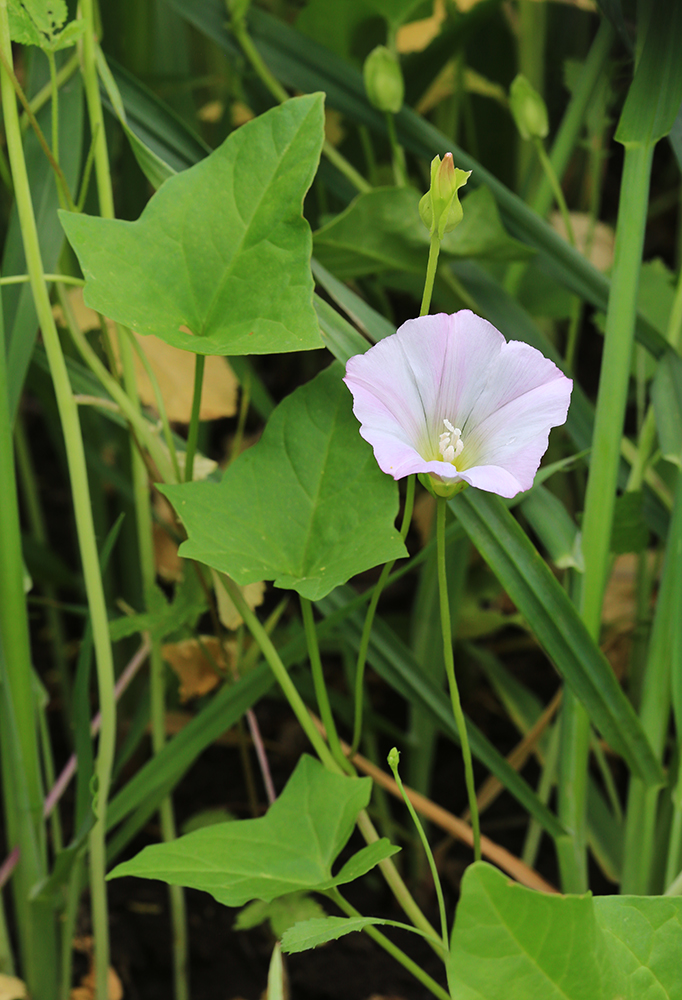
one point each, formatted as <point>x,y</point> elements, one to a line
<point>450,443</point>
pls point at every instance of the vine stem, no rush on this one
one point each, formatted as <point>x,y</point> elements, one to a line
<point>365,825</point>
<point>320,686</point>
<point>193,432</point>
<point>240,32</point>
<point>391,948</point>
<point>434,251</point>
<point>369,619</point>
<point>449,658</point>
<point>75,454</point>
<point>142,511</point>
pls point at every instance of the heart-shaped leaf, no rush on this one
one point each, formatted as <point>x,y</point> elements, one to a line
<point>511,943</point>
<point>219,260</point>
<point>290,849</point>
<point>307,506</point>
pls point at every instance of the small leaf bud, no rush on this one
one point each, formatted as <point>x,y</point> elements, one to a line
<point>384,80</point>
<point>440,209</point>
<point>528,108</point>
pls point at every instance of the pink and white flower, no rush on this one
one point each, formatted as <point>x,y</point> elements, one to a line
<point>449,397</point>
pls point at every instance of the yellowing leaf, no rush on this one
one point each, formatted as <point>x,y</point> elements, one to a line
<point>174,371</point>
<point>12,988</point>
<point>253,595</point>
<point>195,662</point>
<point>601,238</point>
<point>414,37</point>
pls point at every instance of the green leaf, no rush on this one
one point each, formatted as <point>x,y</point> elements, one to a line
<point>367,858</point>
<point>382,230</point>
<point>70,35</point>
<point>655,94</point>
<point>155,169</point>
<point>34,22</point>
<point>379,231</point>
<point>307,506</point>
<point>510,943</point>
<point>155,123</point>
<point>310,933</point>
<point>555,528</point>
<point>282,913</point>
<point>667,397</point>
<point>481,233</point>
<point>557,626</point>
<point>291,848</point>
<point>629,532</point>
<point>21,26</point>
<point>218,262</point>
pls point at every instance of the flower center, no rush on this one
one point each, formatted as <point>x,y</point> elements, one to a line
<point>450,443</point>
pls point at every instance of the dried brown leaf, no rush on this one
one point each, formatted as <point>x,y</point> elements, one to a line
<point>195,662</point>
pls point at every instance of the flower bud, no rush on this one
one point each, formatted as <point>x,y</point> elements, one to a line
<point>384,80</point>
<point>237,9</point>
<point>528,108</point>
<point>394,759</point>
<point>440,209</point>
<point>438,487</point>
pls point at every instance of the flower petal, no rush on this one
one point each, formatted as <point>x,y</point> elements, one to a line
<point>503,396</point>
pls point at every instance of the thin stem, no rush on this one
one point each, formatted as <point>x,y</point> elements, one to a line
<point>82,506</point>
<point>393,759</point>
<point>239,30</point>
<point>346,168</point>
<point>434,251</point>
<point>389,871</point>
<point>391,948</point>
<point>449,658</point>
<point>140,424</point>
<point>19,279</point>
<point>158,399</point>
<point>143,522</point>
<point>397,153</point>
<point>369,619</point>
<point>279,670</point>
<point>320,686</point>
<point>61,179</point>
<point>193,433</point>
<point>556,189</point>
<point>40,99</point>
<point>55,104</point>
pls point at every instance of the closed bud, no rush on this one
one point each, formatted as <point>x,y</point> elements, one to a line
<point>440,209</point>
<point>237,9</point>
<point>384,80</point>
<point>528,108</point>
<point>394,759</point>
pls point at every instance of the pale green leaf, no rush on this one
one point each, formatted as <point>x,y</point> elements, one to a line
<point>219,260</point>
<point>311,933</point>
<point>382,231</point>
<point>291,848</point>
<point>511,943</point>
<point>307,506</point>
<point>281,913</point>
